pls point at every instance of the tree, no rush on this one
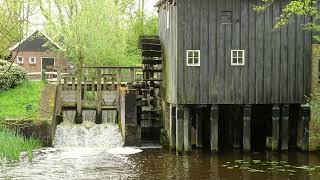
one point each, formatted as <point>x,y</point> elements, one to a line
<point>296,7</point>
<point>14,22</point>
<point>95,32</point>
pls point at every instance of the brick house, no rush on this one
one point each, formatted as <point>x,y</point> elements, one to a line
<point>37,53</point>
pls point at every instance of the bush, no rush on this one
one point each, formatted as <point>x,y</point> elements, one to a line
<point>13,77</point>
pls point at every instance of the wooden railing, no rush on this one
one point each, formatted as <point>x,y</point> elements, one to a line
<point>97,79</point>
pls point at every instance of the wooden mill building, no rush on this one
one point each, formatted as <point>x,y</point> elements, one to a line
<point>230,79</point>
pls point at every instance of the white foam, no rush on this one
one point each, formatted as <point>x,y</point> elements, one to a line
<point>124,151</point>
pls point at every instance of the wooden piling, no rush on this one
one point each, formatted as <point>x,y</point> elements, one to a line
<point>198,115</point>
<point>172,126</point>
<point>73,81</point>
<point>284,127</point>
<point>79,102</point>
<point>59,75</point>
<point>179,128</point>
<point>131,79</point>
<point>247,128</point>
<point>236,123</point>
<point>275,127</point>
<point>303,131</point>
<point>187,130</point>
<point>118,86</point>
<point>214,128</point>
<point>85,86</point>
<point>99,97</point>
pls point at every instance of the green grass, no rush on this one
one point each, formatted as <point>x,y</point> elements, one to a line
<point>12,144</point>
<point>14,102</point>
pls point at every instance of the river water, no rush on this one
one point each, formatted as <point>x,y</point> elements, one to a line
<point>86,160</point>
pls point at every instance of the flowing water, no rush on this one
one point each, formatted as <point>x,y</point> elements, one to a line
<point>91,151</point>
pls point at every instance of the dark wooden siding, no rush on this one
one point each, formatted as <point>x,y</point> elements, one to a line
<point>169,43</point>
<point>278,62</point>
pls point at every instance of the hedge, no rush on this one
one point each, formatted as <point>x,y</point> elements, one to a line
<point>13,77</point>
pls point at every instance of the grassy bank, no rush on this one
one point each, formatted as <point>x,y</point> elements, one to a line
<point>14,103</point>
<point>12,144</point>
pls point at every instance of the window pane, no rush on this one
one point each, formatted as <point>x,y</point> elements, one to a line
<point>190,61</point>
<point>240,54</point>
<point>234,53</point>
<point>234,61</point>
<point>196,60</point>
<point>190,54</point>
<point>196,53</point>
<point>240,60</point>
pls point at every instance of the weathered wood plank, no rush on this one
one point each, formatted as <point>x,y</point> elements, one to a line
<point>214,128</point>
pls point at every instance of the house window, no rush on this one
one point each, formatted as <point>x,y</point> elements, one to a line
<point>193,57</point>
<point>237,58</point>
<point>32,60</point>
<point>226,17</point>
<point>19,60</point>
<point>168,16</point>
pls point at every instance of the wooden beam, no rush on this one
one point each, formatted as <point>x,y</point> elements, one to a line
<point>187,130</point>
<point>275,127</point>
<point>118,86</point>
<point>172,126</point>
<point>304,127</point>
<point>214,128</point>
<point>179,128</point>
<point>236,123</point>
<point>59,75</point>
<point>79,102</point>
<point>284,127</point>
<point>199,116</point>
<point>99,97</point>
<point>247,128</point>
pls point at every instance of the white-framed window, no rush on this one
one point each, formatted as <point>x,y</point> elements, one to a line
<point>193,57</point>
<point>32,60</point>
<point>168,17</point>
<point>237,57</point>
<point>19,60</point>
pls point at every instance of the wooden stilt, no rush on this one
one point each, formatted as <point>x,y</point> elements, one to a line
<point>284,127</point>
<point>236,120</point>
<point>247,128</point>
<point>79,99</point>
<point>304,127</point>
<point>172,126</point>
<point>198,128</point>
<point>179,128</point>
<point>275,127</point>
<point>214,128</point>
<point>187,130</point>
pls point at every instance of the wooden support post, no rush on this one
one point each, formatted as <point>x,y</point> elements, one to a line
<point>172,126</point>
<point>93,81</point>
<point>303,131</point>
<point>275,127</point>
<point>118,86</point>
<point>85,86</point>
<point>187,130</point>
<point>236,122</point>
<point>131,79</point>
<point>214,128</point>
<point>73,87</point>
<point>65,83</point>
<point>112,82</point>
<point>105,83</point>
<point>284,127</point>
<point>179,128</point>
<point>198,115</point>
<point>99,97</point>
<point>247,128</point>
<point>59,75</point>
<point>79,102</point>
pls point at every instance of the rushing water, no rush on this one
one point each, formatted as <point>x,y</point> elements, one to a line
<point>92,151</point>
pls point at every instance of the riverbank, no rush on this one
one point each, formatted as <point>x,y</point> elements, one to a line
<point>25,118</point>
<point>13,143</point>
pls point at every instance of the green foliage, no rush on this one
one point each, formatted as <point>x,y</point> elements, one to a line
<point>14,102</point>
<point>315,124</point>
<point>11,78</point>
<point>101,32</point>
<point>12,144</point>
<point>293,8</point>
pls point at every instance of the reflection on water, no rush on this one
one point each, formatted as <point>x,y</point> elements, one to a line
<point>99,163</point>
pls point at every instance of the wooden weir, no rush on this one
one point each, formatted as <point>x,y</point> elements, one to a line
<point>95,88</point>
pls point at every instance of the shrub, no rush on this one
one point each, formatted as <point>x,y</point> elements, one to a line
<point>13,77</point>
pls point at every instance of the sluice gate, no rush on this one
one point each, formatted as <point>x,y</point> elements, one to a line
<point>129,96</point>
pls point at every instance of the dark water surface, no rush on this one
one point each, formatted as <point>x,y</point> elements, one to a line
<point>101,163</point>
